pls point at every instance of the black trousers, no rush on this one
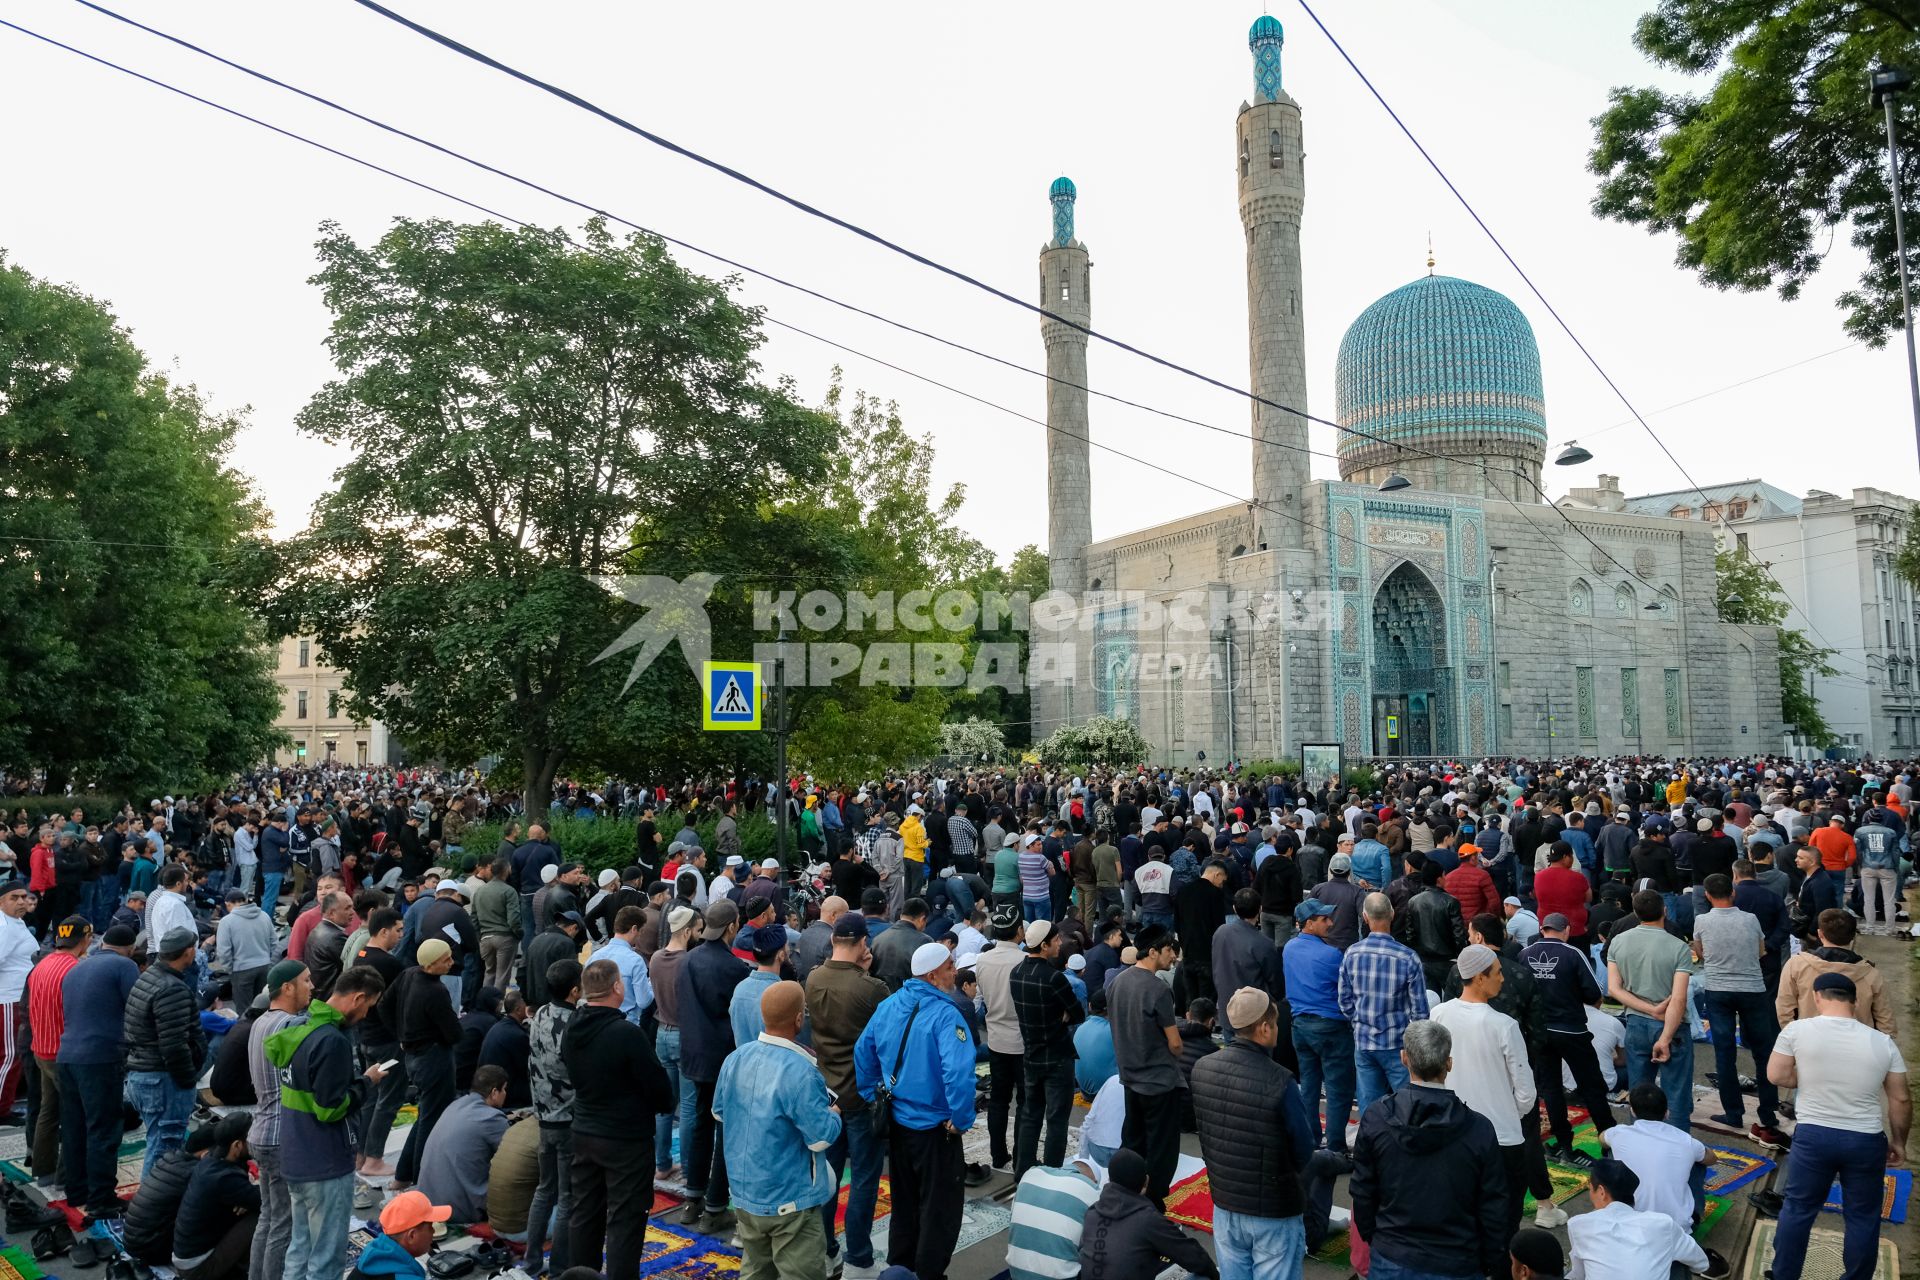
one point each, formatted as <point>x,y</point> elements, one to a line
<point>1575,1048</point>
<point>431,1070</point>
<point>1008,1086</point>
<point>612,1186</point>
<point>1048,1096</point>
<point>927,1167</point>
<point>1152,1131</point>
<point>706,1161</point>
<point>1513,1163</point>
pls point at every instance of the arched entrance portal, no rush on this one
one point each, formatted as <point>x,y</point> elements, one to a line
<point>1412,683</point>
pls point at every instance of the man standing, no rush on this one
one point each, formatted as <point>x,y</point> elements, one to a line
<point>1843,1071</point>
<point>779,1119</point>
<point>1048,1010</point>
<point>17,949</point>
<point>553,1109</point>
<point>1730,945</point>
<point>1199,909</point>
<point>1564,979</point>
<point>707,978</point>
<point>893,950</point>
<point>1322,1036</point>
<point>46,1015</point>
<point>611,1065</point>
<point>1647,972</point>
<point>993,970</point>
<point>621,949</point>
<point>1242,955</point>
<point>421,1014</point>
<point>319,1095</point>
<point>1490,1071</point>
<point>289,991</point>
<point>496,917</point>
<point>92,1077</point>
<point>245,947</point>
<point>1429,1187</point>
<point>1382,991</point>
<point>663,971</point>
<point>1256,1142</point>
<point>841,999</point>
<point>1147,1049</point>
<point>917,1048</point>
<point>165,1046</point>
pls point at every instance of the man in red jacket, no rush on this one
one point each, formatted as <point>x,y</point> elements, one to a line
<point>1471,886</point>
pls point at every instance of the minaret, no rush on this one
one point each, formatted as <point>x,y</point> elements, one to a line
<point>1272,193</point>
<point>1063,291</point>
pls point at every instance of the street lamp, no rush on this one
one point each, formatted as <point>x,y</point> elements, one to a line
<point>1884,84</point>
<point>1395,482</point>
<point>1573,455</point>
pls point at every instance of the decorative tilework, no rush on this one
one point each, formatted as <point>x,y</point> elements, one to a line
<point>1623,601</point>
<point>1584,702</point>
<point>1629,702</point>
<point>1580,599</point>
<point>1345,541</point>
<point>1266,39</point>
<point>1674,724</point>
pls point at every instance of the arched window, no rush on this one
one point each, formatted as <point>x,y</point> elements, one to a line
<point>1623,601</point>
<point>1244,163</point>
<point>1580,599</point>
<point>1276,153</point>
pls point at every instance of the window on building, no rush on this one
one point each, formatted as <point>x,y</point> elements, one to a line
<point>1066,283</point>
<point>1506,724</point>
<point>1245,163</point>
<point>1740,540</point>
<point>1736,509</point>
<point>1889,633</point>
<point>300,705</point>
<point>1506,675</point>
<point>303,652</point>
<point>1710,512</point>
<point>1883,591</point>
<point>1681,513</point>
<point>333,704</point>
<point>1276,154</point>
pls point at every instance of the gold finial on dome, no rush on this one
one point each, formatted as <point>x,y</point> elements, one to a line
<point>1429,253</point>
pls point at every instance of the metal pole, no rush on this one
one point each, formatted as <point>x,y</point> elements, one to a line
<point>1900,244</point>
<point>780,747</point>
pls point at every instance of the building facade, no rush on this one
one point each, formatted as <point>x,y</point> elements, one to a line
<point>313,712</point>
<point>1429,602</point>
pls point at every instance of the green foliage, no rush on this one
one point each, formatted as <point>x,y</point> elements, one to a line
<point>1260,770</point>
<point>1102,740</point>
<point>1363,778</point>
<point>99,808</point>
<point>1906,561</point>
<point>1757,174</point>
<point>866,732</point>
<point>1745,593</point>
<point>127,658</point>
<point>525,414</point>
<point>608,842</point>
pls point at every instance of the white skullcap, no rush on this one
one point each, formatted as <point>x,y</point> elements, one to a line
<point>929,956</point>
<point>548,872</point>
<point>609,876</point>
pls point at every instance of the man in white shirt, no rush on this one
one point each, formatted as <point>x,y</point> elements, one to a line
<point>1619,1242</point>
<point>16,962</point>
<point>167,908</point>
<point>1670,1163</point>
<point>1609,1048</point>
<point>1844,1070</point>
<point>1490,1070</point>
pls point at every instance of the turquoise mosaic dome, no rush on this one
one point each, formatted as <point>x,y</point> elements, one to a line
<point>1265,27</point>
<point>1445,365</point>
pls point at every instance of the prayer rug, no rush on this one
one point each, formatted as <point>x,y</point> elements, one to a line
<point>1895,1192</point>
<point>673,1250</point>
<point>980,1219</point>
<point>1731,1169</point>
<point>18,1264</point>
<point>1823,1254</point>
<point>882,1205</point>
<point>1190,1203</point>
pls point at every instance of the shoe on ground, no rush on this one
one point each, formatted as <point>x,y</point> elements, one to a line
<point>716,1224</point>
<point>835,1267</point>
<point>1737,1123</point>
<point>978,1175</point>
<point>1003,1163</point>
<point>365,1196</point>
<point>1766,1203</point>
<point>667,1174</point>
<point>692,1212</point>
<point>1717,1266</point>
<point>868,1272</point>
<point>1770,1138</point>
<point>1547,1216</point>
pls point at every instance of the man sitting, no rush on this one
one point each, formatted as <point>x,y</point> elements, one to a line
<point>406,1234</point>
<point>1618,1242</point>
<point>459,1151</point>
<point>1126,1237</point>
<point>213,1233</point>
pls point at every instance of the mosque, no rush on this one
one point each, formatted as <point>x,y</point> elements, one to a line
<point>1428,603</point>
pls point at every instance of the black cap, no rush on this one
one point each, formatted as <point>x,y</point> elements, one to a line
<point>119,935</point>
<point>1538,1251</point>
<point>1839,983</point>
<point>851,924</point>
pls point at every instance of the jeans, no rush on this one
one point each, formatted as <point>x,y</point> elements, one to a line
<point>165,1108</point>
<point>552,1198</point>
<point>1674,1076</point>
<point>1278,928</point>
<point>318,1250</point>
<point>666,1047</point>
<point>270,890</point>
<point>855,1146</point>
<point>1049,1097</point>
<point>248,873</point>
<point>1378,1073</point>
<point>1036,909</point>
<point>1250,1248</point>
<point>1755,1015</point>
<point>387,1097</point>
<point>274,1233</point>
<point>1388,1269</point>
<point>1162,918</point>
<point>1325,1046</point>
<point>1820,1155</point>
<point>527,929</point>
<point>90,1130</point>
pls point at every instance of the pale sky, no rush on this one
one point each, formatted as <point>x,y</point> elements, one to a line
<point>941,128</point>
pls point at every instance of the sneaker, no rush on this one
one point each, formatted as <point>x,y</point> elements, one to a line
<point>691,1212</point>
<point>716,1224</point>
<point>1735,1123</point>
<point>1547,1216</point>
<point>1766,1203</point>
<point>365,1196</point>
<point>835,1267</point>
<point>1717,1266</point>
<point>1003,1163</point>
<point>1770,1138</point>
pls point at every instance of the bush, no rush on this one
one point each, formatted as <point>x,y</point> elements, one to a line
<point>1363,778</point>
<point>1102,740</point>
<point>1256,770</point>
<point>100,809</point>
<point>608,842</point>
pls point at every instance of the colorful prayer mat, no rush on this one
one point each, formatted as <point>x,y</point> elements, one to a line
<point>673,1250</point>
<point>17,1264</point>
<point>882,1205</point>
<point>1731,1169</point>
<point>1896,1190</point>
<point>1823,1253</point>
<point>1190,1203</point>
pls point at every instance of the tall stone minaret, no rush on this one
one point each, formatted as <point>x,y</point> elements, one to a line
<point>1272,193</point>
<point>1063,291</point>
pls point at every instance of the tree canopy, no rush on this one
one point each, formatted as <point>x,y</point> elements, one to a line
<point>1744,592</point>
<point>128,657</point>
<point>1782,150</point>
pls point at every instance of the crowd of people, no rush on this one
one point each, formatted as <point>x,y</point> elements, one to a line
<point>1383,979</point>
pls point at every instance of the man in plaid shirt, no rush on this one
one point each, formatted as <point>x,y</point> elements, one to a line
<point>1382,989</point>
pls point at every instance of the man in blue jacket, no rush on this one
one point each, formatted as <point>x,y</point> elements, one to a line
<point>779,1121</point>
<point>919,1044</point>
<point>276,859</point>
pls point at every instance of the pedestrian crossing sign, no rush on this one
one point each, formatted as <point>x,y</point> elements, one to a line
<point>732,695</point>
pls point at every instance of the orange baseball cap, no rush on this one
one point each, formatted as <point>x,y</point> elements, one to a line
<point>408,1210</point>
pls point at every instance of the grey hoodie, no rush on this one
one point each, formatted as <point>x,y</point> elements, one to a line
<point>246,939</point>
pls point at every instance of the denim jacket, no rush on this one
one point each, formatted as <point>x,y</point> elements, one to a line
<point>778,1122</point>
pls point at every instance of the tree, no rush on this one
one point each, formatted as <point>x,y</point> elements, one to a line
<point>127,657</point>
<point>972,740</point>
<point>1745,593</point>
<point>1102,740</point>
<point>528,412</point>
<point>1758,174</point>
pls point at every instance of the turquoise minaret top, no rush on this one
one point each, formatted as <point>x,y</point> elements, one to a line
<point>1062,195</point>
<point>1265,40</point>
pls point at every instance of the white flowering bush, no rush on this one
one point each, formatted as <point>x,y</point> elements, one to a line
<point>1102,740</point>
<point>971,739</point>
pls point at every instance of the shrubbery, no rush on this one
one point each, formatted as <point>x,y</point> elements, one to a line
<point>608,841</point>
